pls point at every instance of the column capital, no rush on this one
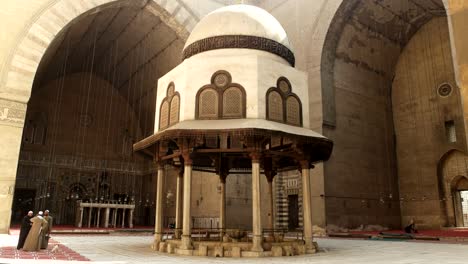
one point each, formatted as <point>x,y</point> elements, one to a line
<point>186,155</point>
<point>255,156</point>
<point>160,165</point>
<point>305,164</point>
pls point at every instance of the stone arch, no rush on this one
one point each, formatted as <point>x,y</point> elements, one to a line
<point>20,68</point>
<point>453,178</point>
<point>401,28</point>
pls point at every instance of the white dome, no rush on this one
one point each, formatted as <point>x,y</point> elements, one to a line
<point>244,20</point>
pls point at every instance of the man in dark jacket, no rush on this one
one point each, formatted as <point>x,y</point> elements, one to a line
<point>24,231</point>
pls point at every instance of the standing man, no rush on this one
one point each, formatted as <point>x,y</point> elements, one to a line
<point>46,230</point>
<point>34,239</point>
<point>24,231</point>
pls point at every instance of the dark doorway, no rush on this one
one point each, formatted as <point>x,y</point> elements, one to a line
<point>293,211</point>
<point>23,202</point>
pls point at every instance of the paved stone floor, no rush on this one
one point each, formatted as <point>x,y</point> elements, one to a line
<point>132,249</point>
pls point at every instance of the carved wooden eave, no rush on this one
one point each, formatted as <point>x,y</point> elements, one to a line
<point>211,140</point>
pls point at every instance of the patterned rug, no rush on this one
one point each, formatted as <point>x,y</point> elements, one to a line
<point>60,253</point>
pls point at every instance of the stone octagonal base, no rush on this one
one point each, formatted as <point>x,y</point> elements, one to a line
<point>235,249</point>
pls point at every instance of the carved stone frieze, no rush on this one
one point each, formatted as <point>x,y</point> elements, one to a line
<point>12,112</point>
<point>239,42</point>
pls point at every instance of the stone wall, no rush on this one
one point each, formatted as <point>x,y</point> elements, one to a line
<point>421,109</point>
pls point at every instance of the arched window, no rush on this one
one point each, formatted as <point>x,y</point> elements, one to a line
<point>232,103</point>
<point>282,105</point>
<point>170,108</point>
<point>293,111</point>
<point>163,120</point>
<point>208,104</point>
<point>174,110</point>
<point>275,106</point>
<point>221,99</point>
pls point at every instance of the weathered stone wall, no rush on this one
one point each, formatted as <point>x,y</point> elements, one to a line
<point>419,114</point>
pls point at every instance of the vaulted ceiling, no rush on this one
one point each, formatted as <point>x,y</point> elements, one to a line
<point>371,34</point>
<point>125,44</point>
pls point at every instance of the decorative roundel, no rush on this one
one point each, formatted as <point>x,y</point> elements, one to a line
<point>444,89</point>
<point>284,86</point>
<point>221,79</point>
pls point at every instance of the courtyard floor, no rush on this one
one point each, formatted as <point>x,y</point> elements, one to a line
<point>135,248</point>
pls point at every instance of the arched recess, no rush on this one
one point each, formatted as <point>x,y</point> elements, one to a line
<point>22,63</point>
<point>46,32</point>
<point>394,21</point>
<point>363,45</point>
<point>453,178</point>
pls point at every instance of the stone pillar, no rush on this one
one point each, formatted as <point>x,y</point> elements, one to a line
<point>271,220</point>
<point>98,219</point>
<point>222,204</point>
<point>12,114</point>
<point>257,237</point>
<point>187,217</point>
<point>178,223</point>
<point>130,220</point>
<point>159,204</point>
<point>123,218</point>
<point>114,220</point>
<point>106,218</point>
<point>306,207</point>
<point>80,223</point>
<point>270,174</point>
<point>89,216</point>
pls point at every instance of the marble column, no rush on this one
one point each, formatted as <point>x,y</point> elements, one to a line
<point>178,220</point>
<point>80,223</point>
<point>187,217</point>
<point>130,221</point>
<point>114,220</point>
<point>106,218</point>
<point>89,216</point>
<point>159,204</point>
<point>222,204</point>
<point>306,207</point>
<point>270,174</point>
<point>271,220</point>
<point>98,218</point>
<point>123,218</point>
<point>257,237</point>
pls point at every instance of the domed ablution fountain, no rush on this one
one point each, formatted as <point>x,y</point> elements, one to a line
<point>235,103</point>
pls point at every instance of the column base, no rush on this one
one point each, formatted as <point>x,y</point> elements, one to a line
<point>257,243</point>
<point>186,242</point>
<point>310,246</point>
<point>158,237</point>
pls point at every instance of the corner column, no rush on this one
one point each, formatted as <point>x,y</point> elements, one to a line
<point>106,218</point>
<point>80,223</point>
<point>159,206</point>
<point>186,228</point>
<point>257,237</point>
<point>178,223</point>
<point>130,222</point>
<point>222,207</point>
<point>306,207</point>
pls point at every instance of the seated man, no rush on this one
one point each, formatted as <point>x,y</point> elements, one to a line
<point>411,228</point>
